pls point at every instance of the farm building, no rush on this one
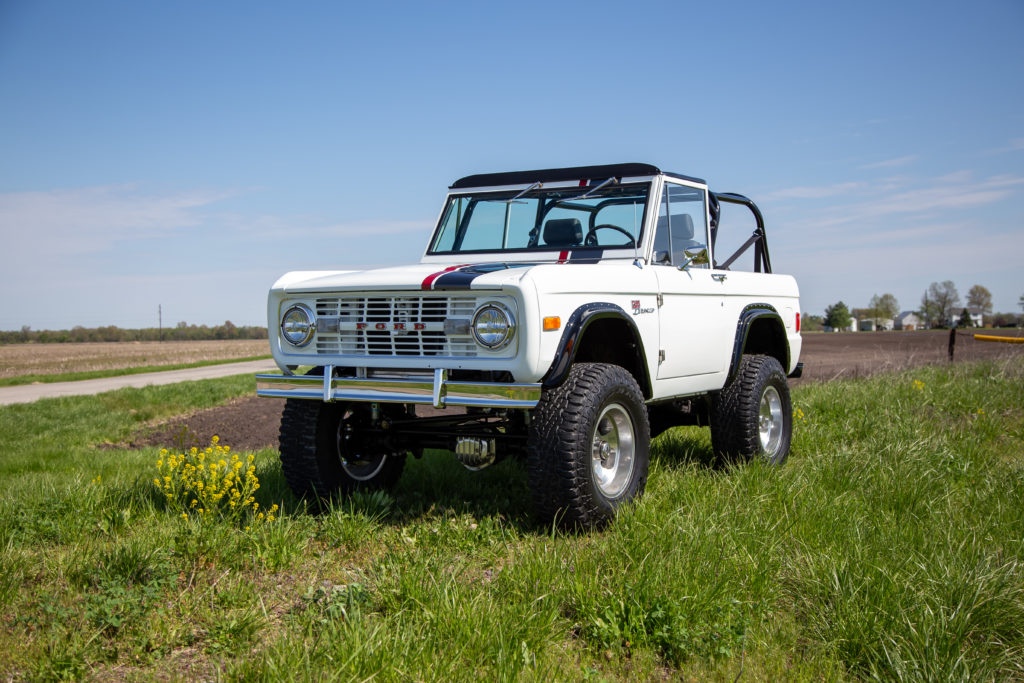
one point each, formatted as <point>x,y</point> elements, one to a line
<point>977,316</point>
<point>907,320</point>
<point>873,324</point>
<point>852,327</point>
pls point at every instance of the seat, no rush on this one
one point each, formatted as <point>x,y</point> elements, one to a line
<point>682,234</point>
<point>563,232</point>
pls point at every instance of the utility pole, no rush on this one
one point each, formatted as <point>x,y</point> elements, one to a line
<point>160,317</point>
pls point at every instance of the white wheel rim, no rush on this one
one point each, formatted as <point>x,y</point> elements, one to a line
<point>613,450</point>
<point>770,421</point>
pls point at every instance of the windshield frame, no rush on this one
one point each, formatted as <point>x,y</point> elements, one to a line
<point>547,203</point>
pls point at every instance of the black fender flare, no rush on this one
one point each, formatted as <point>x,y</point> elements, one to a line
<point>581,319</point>
<point>749,314</point>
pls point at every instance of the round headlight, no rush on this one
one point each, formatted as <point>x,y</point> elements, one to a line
<point>297,326</point>
<point>493,326</point>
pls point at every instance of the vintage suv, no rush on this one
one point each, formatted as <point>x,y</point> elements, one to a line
<point>566,315</point>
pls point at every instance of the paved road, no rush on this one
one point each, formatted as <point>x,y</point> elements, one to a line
<point>27,393</point>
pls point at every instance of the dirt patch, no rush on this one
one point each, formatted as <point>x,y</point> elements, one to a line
<point>251,423</point>
<point>245,424</point>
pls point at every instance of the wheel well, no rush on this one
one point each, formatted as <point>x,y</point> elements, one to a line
<point>767,337</point>
<point>613,341</point>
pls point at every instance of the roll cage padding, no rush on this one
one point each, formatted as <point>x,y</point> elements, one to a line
<point>568,346</point>
<point>777,346</point>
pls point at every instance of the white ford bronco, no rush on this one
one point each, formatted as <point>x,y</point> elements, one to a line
<point>564,315</point>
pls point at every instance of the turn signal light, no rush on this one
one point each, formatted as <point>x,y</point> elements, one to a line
<point>552,322</point>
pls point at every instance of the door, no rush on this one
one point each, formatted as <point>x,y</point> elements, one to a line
<point>695,335</point>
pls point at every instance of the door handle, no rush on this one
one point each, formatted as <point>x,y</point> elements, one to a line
<point>719,276</point>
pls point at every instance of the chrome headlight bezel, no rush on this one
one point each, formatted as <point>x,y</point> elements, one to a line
<point>305,328</point>
<point>494,326</point>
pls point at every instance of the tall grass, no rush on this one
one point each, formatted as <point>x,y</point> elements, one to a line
<point>889,546</point>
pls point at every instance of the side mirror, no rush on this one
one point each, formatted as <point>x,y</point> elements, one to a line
<point>696,255</point>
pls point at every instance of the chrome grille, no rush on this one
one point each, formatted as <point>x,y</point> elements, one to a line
<point>404,325</point>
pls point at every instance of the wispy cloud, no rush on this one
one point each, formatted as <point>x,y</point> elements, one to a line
<point>129,246</point>
<point>275,227</point>
<point>945,196</point>
<point>898,196</point>
<point>892,163</point>
<point>813,192</point>
<point>92,218</point>
<point>1014,145</point>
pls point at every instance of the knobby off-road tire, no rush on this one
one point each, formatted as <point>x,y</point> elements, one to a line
<point>588,447</point>
<point>752,417</point>
<point>320,453</point>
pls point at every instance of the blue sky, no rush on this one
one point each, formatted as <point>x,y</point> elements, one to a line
<point>186,154</point>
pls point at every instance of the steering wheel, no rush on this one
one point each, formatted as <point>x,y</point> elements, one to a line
<point>591,239</point>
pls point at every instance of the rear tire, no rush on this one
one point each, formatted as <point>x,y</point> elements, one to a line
<point>588,447</point>
<point>324,451</point>
<point>752,417</point>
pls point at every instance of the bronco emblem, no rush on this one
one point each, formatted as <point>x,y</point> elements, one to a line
<point>637,310</point>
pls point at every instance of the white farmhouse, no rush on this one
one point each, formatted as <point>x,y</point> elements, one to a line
<point>908,320</point>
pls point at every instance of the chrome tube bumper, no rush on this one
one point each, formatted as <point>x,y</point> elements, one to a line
<point>438,392</point>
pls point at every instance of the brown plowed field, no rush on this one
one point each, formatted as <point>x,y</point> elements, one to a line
<point>52,359</point>
<point>860,354</point>
<point>251,423</point>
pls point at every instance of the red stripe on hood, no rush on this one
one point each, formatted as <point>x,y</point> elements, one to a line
<point>428,281</point>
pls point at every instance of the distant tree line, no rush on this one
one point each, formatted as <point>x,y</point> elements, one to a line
<point>112,333</point>
<point>940,307</point>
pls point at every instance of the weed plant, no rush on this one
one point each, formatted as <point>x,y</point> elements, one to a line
<point>211,484</point>
<point>889,546</point>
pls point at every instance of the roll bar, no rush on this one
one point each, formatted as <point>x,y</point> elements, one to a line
<point>762,262</point>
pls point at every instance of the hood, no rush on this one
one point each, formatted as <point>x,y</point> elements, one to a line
<point>420,277</point>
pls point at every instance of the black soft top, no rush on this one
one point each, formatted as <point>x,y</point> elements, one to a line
<point>554,175</point>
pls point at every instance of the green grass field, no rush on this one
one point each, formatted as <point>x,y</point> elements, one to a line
<point>890,546</point>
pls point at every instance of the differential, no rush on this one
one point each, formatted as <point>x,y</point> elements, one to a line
<point>475,454</point>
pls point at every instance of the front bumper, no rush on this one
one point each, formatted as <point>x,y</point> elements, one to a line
<point>437,391</point>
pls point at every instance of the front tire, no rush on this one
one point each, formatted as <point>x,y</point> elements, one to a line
<point>752,417</point>
<point>326,450</point>
<point>588,447</point>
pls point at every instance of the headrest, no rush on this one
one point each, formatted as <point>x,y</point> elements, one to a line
<point>563,232</point>
<point>682,226</point>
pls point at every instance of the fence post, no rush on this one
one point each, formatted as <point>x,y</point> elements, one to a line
<point>952,342</point>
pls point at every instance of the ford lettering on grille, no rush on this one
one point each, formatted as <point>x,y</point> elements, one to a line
<point>389,325</point>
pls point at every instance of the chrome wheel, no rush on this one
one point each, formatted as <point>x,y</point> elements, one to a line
<point>770,421</point>
<point>613,451</point>
<point>357,466</point>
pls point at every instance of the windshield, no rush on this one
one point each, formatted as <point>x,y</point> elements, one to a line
<point>600,216</point>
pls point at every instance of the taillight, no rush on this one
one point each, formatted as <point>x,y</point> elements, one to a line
<point>798,321</point>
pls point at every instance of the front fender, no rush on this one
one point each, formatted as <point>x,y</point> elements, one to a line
<point>568,346</point>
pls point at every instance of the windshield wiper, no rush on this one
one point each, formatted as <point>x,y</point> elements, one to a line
<point>508,211</point>
<point>589,193</point>
<point>535,186</point>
